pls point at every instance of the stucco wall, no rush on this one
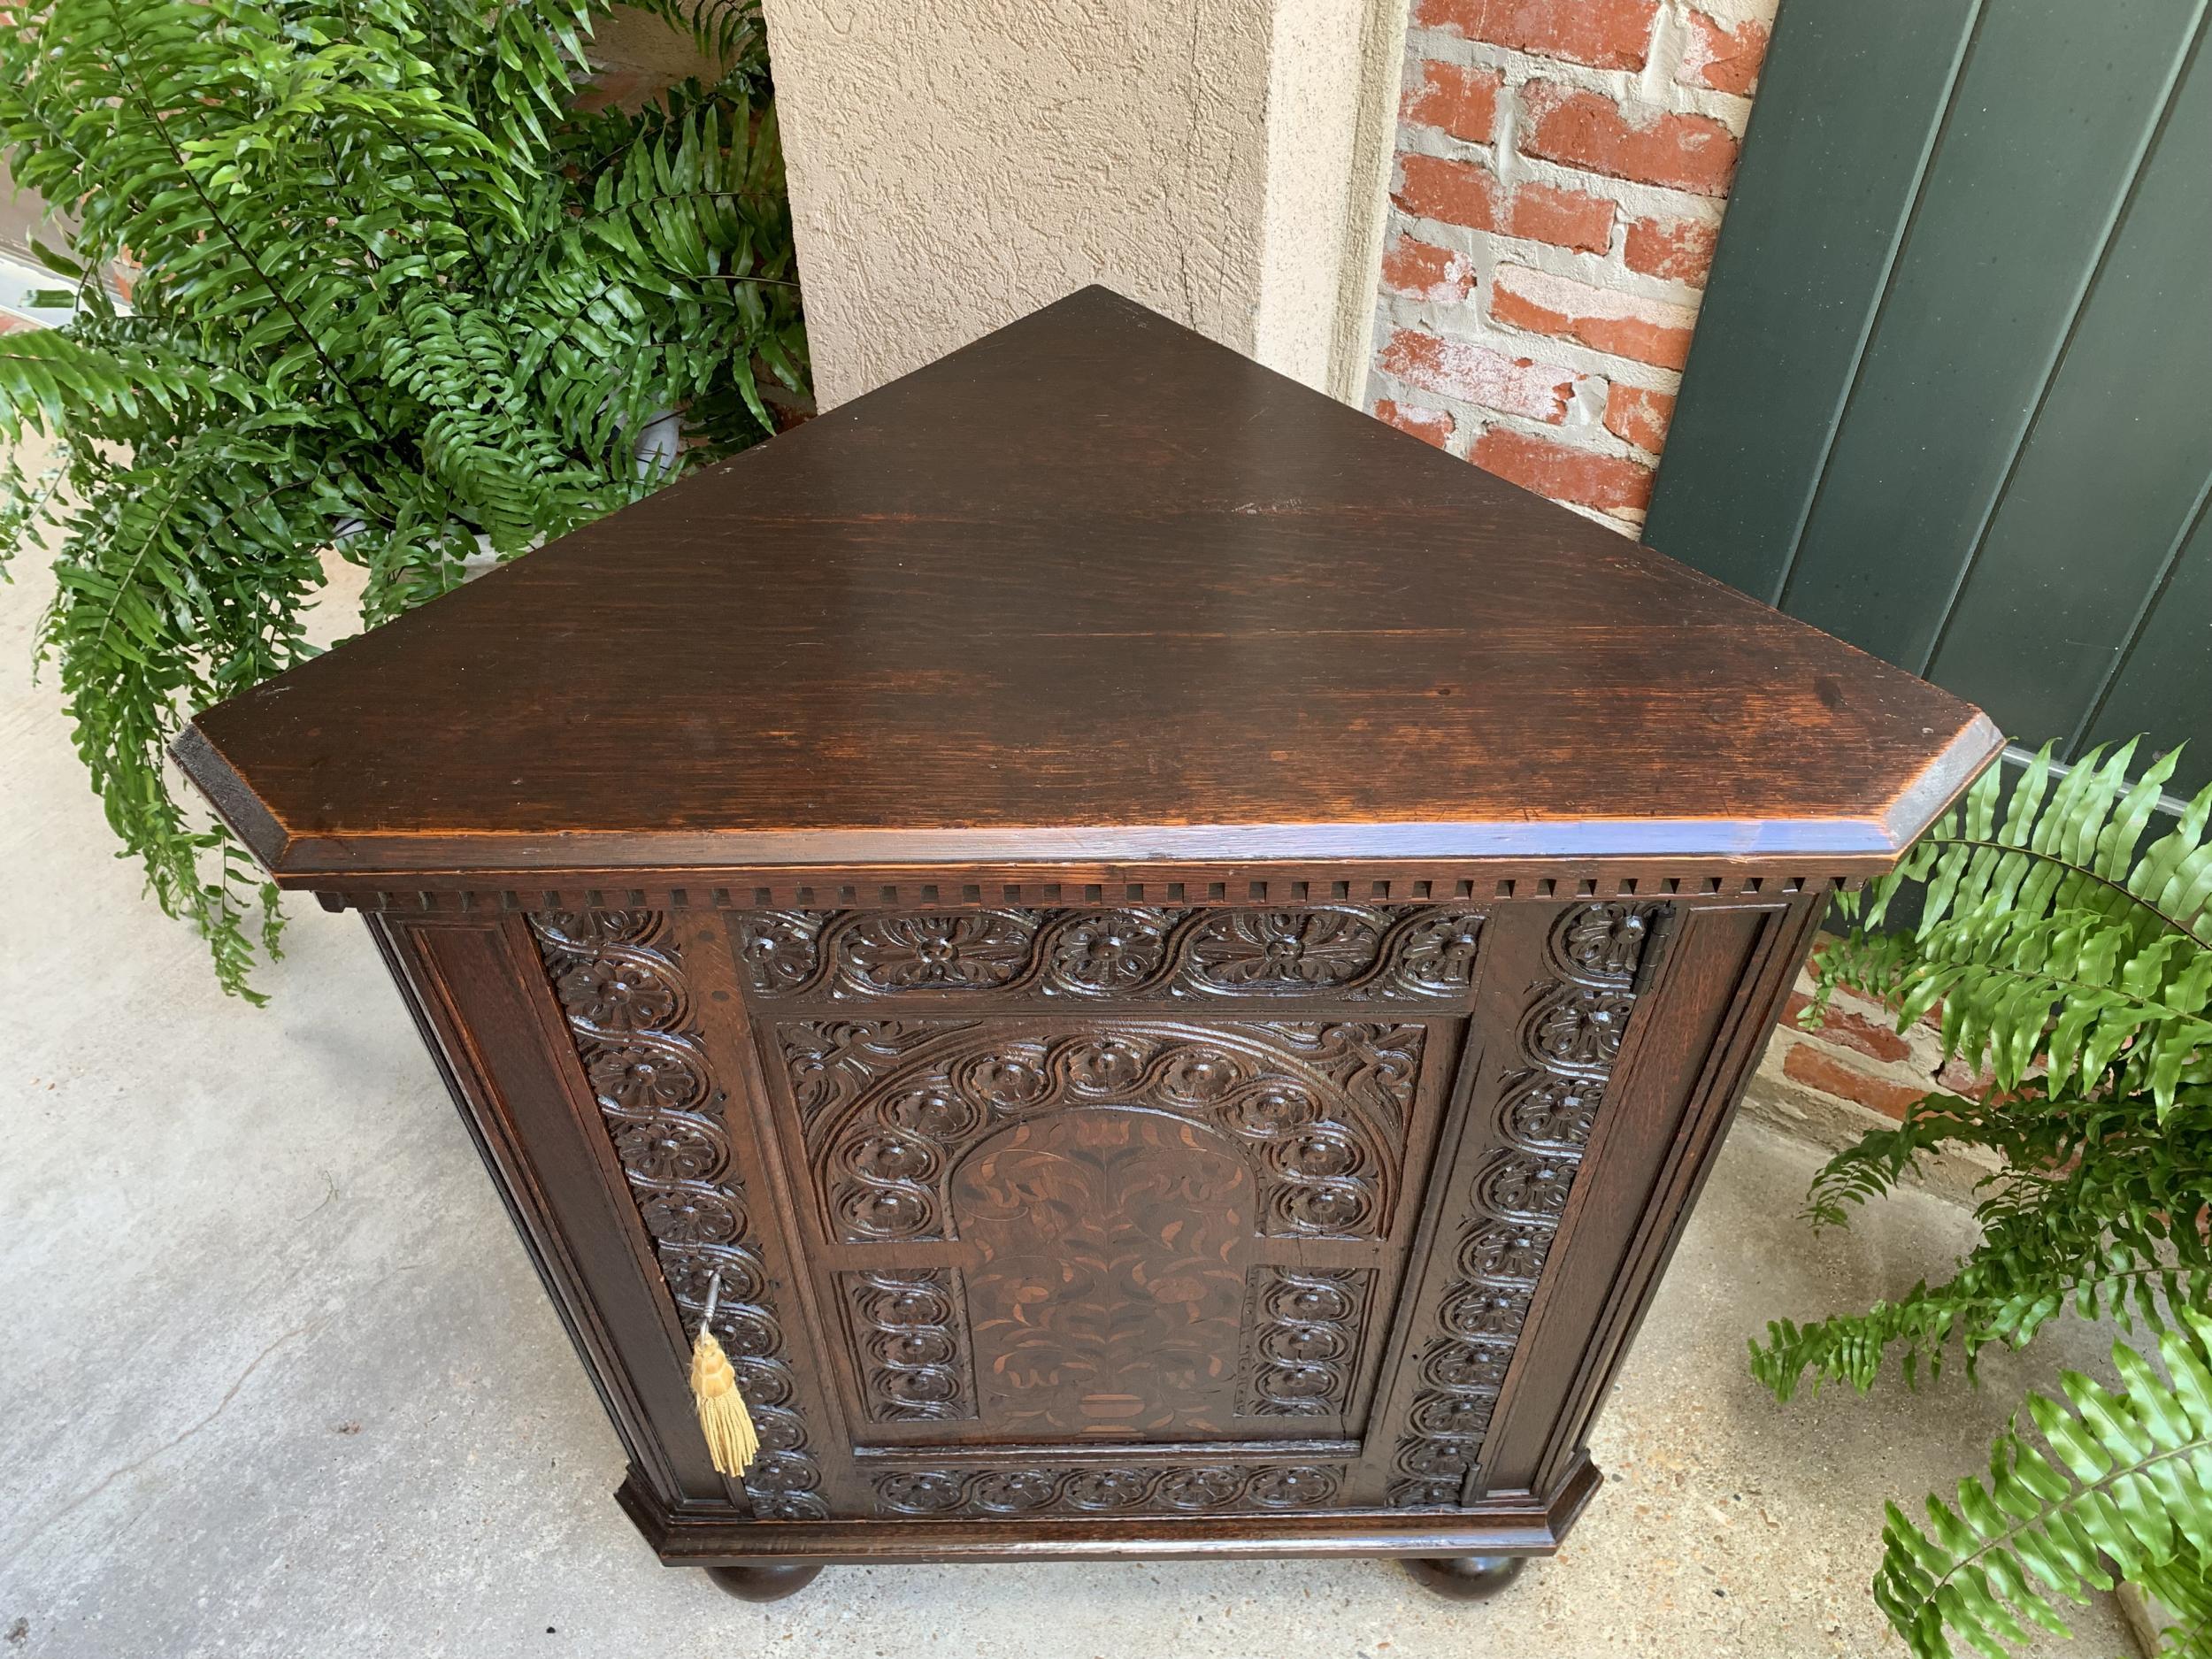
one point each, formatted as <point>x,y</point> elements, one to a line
<point>957,162</point>
<point>1329,117</point>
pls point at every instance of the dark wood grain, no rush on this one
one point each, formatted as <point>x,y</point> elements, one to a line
<point>1108,1294</point>
<point>1179,958</point>
<point>481,1006</point>
<point>1056,598</point>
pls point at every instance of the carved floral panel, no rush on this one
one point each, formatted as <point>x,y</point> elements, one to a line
<point>1570,1034</point>
<point>1346,952</point>
<point>1302,1339</point>
<point>907,1332</point>
<point>1110,1488</point>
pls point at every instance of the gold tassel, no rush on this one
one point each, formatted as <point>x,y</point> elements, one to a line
<point>731,1439</point>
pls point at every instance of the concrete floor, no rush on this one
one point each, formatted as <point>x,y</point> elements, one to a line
<point>277,1379</point>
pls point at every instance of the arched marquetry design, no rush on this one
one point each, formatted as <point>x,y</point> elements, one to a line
<point>1320,1109</point>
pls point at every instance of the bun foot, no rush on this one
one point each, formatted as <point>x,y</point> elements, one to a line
<point>1466,1577</point>
<point>765,1580</point>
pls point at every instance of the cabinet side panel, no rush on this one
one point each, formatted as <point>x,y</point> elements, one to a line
<point>1560,994</point>
<point>676,1126</point>
<point>480,999</point>
<point>1713,1002</point>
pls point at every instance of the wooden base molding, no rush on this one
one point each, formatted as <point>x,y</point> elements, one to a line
<point>1505,1525</point>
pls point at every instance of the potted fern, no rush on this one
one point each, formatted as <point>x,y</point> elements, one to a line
<point>2075,964</point>
<point>391,293</point>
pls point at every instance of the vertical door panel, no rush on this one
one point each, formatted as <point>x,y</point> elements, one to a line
<point>1819,206</point>
<point>1941,400</point>
<point>2108,479</point>
<point>2164,682</point>
<point>2046,127</point>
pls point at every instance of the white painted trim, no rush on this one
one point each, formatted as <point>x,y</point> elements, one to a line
<point>18,279</point>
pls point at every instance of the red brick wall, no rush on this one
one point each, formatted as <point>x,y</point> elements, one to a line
<point>1561,171</point>
<point>1857,1072</point>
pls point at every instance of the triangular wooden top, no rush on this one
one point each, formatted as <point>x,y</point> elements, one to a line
<point>1091,588</point>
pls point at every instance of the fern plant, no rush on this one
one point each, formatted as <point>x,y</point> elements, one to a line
<point>390,292</point>
<point>2072,966</point>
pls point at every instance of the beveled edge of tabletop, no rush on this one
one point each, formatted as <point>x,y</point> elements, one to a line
<point>1826,846</point>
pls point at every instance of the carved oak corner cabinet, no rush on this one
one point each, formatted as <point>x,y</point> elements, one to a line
<point>1182,955</point>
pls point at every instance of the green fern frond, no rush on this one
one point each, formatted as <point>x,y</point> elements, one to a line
<point>2101,1212</point>
<point>2101,1206</point>
<point>2123,1479</point>
<point>2075,962</point>
<point>391,293</point>
<point>729,30</point>
<point>52,380</point>
<point>2054,938</point>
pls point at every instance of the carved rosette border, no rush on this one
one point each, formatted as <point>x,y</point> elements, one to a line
<point>1569,1037</point>
<point>909,1349</point>
<point>1347,952</point>
<point>1302,1339</point>
<point>623,991</point>
<point>1320,1108</point>
<point>1110,1488</point>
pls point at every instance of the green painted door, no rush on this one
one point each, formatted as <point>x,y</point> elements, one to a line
<point>1951,394</point>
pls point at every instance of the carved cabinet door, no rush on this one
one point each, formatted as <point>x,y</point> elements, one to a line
<point>1114,1210</point>
<point>1085,1228</point>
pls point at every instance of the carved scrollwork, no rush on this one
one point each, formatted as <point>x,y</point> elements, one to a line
<point>643,1074</point>
<point>1094,1489</point>
<point>979,951</point>
<point>621,988</point>
<point>1549,1111</point>
<point>1522,1186</point>
<point>1343,951</point>
<point>1501,1247</point>
<point>911,1353</point>
<point>622,992</point>
<point>582,931</point>
<point>1301,1334</point>
<point>829,1060</point>
<point>1107,953</point>
<point>1313,950</point>
<point>1570,1036</point>
<point>1577,1030</point>
<point>777,950</point>
<point>1601,944</point>
<point>1486,1311</point>
<point>1436,950</point>
<point>1320,1108</point>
